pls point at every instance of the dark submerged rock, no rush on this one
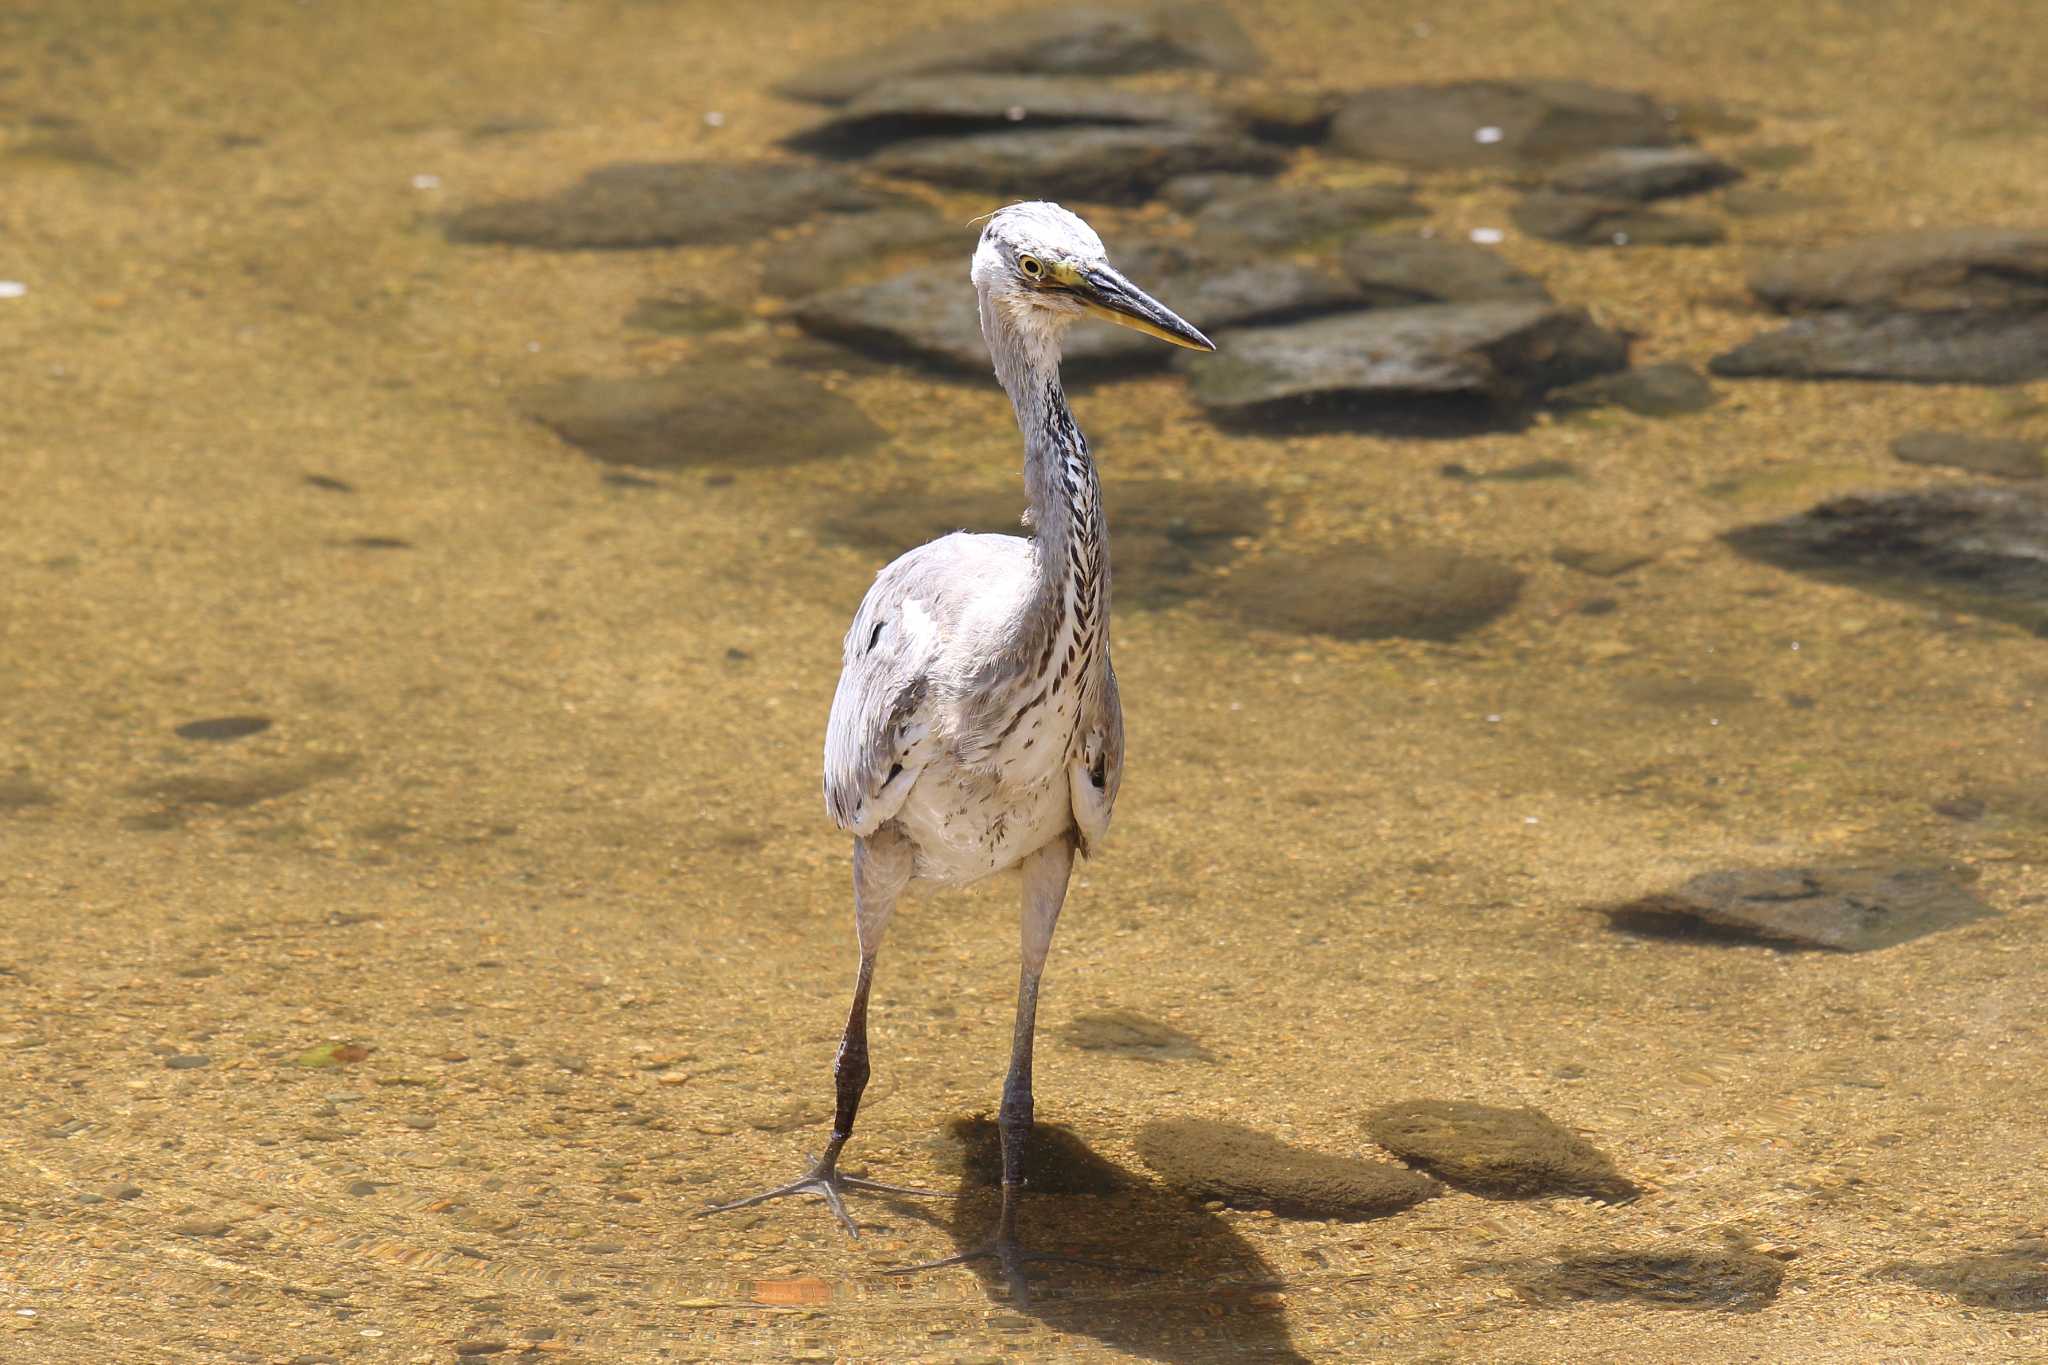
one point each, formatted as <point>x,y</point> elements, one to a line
<point>1936,271</point>
<point>1588,220</point>
<point>1105,163</point>
<point>223,729</point>
<point>1666,390</point>
<point>1294,117</point>
<point>2011,1281</point>
<point>1363,592</point>
<point>1846,909</point>
<point>1077,40</point>
<point>1539,122</point>
<point>1971,346</point>
<point>1643,173</point>
<point>1126,1033</point>
<point>1164,538</point>
<point>928,315</point>
<point>670,203</point>
<point>1204,1159</point>
<point>1978,547</point>
<point>708,412</point>
<point>1663,1277</point>
<point>683,313</point>
<point>958,105</point>
<point>1395,271</point>
<point>2004,458</point>
<point>1056,1160</point>
<point>840,248</point>
<point>1503,350</point>
<point>1293,216</point>
<point>1496,1152</point>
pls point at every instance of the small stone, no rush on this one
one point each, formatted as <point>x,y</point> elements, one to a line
<point>1643,173</point>
<point>363,1188</point>
<point>1364,592</point>
<point>188,1061</point>
<point>707,412</point>
<point>1204,1159</point>
<point>1393,272</point>
<point>2003,458</point>
<point>1591,220</point>
<point>89,1197</point>
<point>1105,164</point>
<point>220,729</point>
<point>202,1227</point>
<point>1497,1152</point>
<point>664,204</point>
<point>122,1190</point>
<point>1126,1033</point>
<point>1076,40</point>
<point>1529,123</point>
<point>1607,563</point>
<point>1667,390</point>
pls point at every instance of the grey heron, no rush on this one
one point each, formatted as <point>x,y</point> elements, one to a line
<point>976,728</point>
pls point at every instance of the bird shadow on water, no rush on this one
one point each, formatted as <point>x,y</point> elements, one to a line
<point>1196,1304</point>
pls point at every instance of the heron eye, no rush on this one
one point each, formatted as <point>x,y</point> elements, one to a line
<point>1030,266</point>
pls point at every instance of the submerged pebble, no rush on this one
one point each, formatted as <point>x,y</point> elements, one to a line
<point>713,411</point>
<point>1205,1159</point>
<point>2000,457</point>
<point>1366,592</point>
<point>1498,1152</point>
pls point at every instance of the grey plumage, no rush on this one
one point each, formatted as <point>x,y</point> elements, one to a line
<point>977,727</point>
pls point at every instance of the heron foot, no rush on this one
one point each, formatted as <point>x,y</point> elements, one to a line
<point>1011,1259</point>
<point>825,1181</point>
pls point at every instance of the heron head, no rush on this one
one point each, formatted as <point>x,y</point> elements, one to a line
<point>1041,268</point>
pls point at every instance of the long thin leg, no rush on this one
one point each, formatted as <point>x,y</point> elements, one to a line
<point>881,869</point>
<point>1045,891</point>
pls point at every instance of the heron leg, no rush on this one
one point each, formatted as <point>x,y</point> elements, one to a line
<point>1045,890</point>
<point>881,869</point>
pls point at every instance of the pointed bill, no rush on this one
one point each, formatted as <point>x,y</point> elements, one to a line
<point>1108,295</point>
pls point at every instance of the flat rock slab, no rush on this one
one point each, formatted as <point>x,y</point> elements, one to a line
<point>927,314</point>
<point>1503,350</point>
<point>1846,909</point>
<point>709,412</point>
<point>1366,592</point>
<point>1937,270</point>
<point>1970,346</point>
<point>1293,216</point>
<point>1392,272</point>
<point>1106,164</point>
<point>1056,1160</point>
<point>1642,173</point>
<point>1204,1159</point>
<point>2011,1281</point>
<point>1667,390</point>
<point>2001,457</point>
<point>1663,1277</point>
<point>846,246</point>
<point>1589,220</point>
<point>1074,40</point>
<point>1979,547</point>
<point>1508,125</point>
<point>1165,538</point>
<point>1496,1152</point>
<point>672,203</point>
<point>956,105</point>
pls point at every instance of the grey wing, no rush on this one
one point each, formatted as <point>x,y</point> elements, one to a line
<point>881,730</point>
<point>1097,769</point>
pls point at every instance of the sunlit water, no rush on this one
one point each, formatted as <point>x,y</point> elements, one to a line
<point>536,819</point>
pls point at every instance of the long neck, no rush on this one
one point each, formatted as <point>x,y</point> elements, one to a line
<point>1059,475</point>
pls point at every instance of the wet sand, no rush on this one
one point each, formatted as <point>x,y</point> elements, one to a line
<point>536,820</point>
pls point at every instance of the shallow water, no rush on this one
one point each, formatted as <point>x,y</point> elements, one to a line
<point>536,818</point>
